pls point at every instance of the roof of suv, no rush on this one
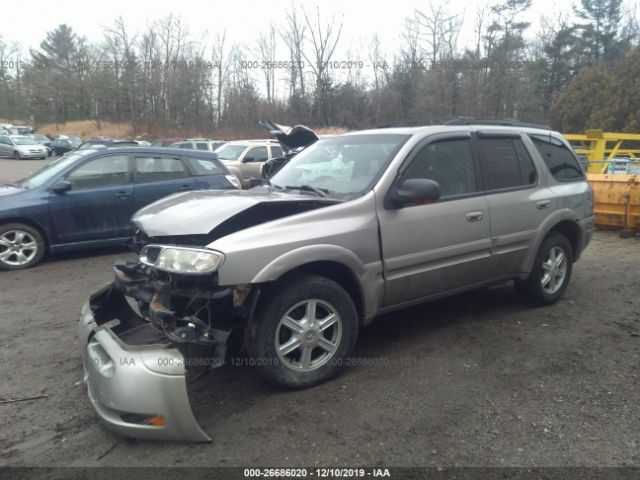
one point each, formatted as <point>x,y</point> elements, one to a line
<point>249,143</point>
<point>454,128</point>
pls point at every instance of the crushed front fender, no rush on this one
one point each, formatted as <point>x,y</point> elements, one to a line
<point>136,390</point>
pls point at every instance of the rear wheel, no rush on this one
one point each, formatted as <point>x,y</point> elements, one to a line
<point>551,271</point>
<point>304,332</point>
<point>21,246</point>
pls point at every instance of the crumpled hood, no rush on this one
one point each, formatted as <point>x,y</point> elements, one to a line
<point>290,137</point>
<point>199,212</point>
<point>9,190</point>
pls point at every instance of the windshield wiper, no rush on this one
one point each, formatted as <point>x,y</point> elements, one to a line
<point>308,188</point>
<point>266,181</point>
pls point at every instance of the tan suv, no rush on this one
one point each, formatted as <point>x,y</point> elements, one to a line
<point>353,226</point>
<point>245,158</point>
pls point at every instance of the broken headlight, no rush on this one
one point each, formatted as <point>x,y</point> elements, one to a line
<point>188,261</point>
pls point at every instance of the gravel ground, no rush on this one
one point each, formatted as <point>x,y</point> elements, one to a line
<point>476,379</point>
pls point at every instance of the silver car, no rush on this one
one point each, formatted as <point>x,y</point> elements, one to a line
<point>21,147</point>
<point>352,227</point>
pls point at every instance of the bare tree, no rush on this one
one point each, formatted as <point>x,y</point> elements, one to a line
<point>439,29</point>
<point>266,50</point>
<point>324,40</point>
<point>294,35</point>
<point>378,62</point>
<point>222,60</point>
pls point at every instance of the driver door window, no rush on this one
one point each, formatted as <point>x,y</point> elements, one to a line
<point>110,171</point>
<point>448,162</point>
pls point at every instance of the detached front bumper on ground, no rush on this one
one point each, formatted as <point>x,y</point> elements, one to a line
<point>137,390</point>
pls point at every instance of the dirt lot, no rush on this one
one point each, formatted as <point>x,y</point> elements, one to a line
<point>478,379</point>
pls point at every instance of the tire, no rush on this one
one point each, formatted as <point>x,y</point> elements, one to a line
<point>539,289</point>
<point>293,300</point>
<point>16,155</point>
<point>14,237</point>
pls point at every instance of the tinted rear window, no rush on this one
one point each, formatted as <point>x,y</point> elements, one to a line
<point>506,163</point>
<point>559,159</point>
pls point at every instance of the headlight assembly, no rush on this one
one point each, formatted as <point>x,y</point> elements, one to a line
<point>187,261</point>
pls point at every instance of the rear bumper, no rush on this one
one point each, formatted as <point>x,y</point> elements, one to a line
<point>130,385</point>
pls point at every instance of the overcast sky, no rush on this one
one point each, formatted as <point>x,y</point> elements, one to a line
<point>242,19</point>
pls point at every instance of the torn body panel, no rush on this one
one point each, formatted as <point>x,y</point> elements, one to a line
<point>144,336</point>
<point>137,390</point>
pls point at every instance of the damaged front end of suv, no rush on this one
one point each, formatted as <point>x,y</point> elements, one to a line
<point>285,273</point>
<point>165,318</point>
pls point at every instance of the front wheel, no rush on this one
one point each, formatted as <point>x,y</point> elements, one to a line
<point>21,246</point>
<point>16,155</point>
<point>551,272</point>
<point>303,332</point>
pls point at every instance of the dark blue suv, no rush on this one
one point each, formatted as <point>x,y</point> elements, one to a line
<point>86,198</point>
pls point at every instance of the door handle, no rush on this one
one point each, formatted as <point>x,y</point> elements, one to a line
<point>474,216</point>
<point>542,204</point>
<point>186,187</point>
<point>123,194</point>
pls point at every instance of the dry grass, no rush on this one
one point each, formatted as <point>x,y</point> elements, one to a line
<point>330,130</point>
<point>87,128</point>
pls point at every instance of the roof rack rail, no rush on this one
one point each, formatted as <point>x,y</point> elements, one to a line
<point>505,122</point>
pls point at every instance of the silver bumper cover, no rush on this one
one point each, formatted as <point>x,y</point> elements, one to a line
<point>128,382</point>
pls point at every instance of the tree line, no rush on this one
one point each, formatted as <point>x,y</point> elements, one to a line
<point>578,71</point>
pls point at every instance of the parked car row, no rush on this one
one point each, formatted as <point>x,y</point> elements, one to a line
<point>86,198</point>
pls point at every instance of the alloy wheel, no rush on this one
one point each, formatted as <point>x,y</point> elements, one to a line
<point>554,270</point>
<point>17,248</point>
<point>308,335</point>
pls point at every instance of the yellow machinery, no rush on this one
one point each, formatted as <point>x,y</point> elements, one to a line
<point>600,147</point>
<point>616,195</point>
<point>616,200</point>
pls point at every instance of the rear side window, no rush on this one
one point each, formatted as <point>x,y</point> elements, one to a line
<point>157,169</point>
<point>448,162</point>
<point>202,166</point>
<point>506,163</point>
<point>558,158</point>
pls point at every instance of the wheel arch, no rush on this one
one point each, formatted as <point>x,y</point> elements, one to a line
<point>571,230</point>
<point>335,271</point>
<point>564,222</point>
<point>362,282</point>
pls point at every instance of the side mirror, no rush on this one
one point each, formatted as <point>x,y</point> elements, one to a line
<point>415,191</point>
<point>61,187</point>
<point>248,159</point>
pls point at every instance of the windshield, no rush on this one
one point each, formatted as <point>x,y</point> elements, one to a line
<point>230,152</point>
<point>344,165</point>
<point>24,141</point>
<point>51,170</point>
